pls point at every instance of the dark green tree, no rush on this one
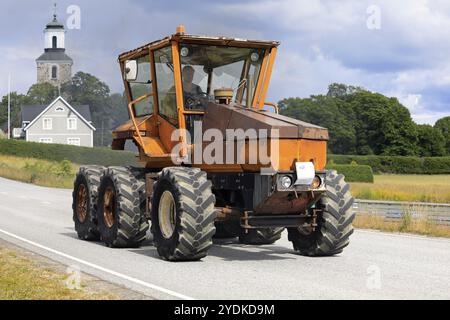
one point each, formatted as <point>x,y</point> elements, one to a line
<point>443,125</point>
<point>326,112</point>
<point>86,89</point>
<point>431,141</point>
<point>42,93</point>
<point>339,90</point>
<point>17,100</point>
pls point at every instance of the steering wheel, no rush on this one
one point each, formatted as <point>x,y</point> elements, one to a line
<point>195,100</point>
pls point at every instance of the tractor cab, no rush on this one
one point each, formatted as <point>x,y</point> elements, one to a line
<point>169,84</point>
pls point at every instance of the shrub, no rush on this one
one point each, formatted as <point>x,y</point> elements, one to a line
<point>354,173</point>
<point>74,154</point>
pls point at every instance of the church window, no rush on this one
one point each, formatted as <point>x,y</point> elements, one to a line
<point>54,42</point>
<point>54,72</point>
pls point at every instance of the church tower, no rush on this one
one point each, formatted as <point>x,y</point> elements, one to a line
<point>54,65</point>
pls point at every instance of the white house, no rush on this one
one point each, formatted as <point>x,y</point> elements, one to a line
<point>59,123</point>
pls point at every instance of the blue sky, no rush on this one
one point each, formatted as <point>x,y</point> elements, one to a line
<point>321,42</point>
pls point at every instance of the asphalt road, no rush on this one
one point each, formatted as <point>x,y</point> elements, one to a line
<point>375,266</point>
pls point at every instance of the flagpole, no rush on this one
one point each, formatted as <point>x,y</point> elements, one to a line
<point>9,106</point>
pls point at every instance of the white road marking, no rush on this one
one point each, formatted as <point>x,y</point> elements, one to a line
<point>92,265</point>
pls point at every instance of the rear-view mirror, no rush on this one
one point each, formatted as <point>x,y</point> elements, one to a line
<point>131,70</point>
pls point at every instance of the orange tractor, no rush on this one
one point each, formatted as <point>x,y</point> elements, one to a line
<point>218,161</point>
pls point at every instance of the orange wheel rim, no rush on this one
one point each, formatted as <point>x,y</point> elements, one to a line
<point>108,207</point>
<point>82,200</point>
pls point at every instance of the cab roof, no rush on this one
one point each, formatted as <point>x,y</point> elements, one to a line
<point>188,38</point>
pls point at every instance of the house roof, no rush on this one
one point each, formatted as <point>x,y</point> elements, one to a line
<point>33,112</point>
<point>30,112</point>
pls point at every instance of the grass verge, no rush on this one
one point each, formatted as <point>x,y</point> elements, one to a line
<point>395,187</point>
<point>23,279</point>
<point>40,172</point>
<point>405,225</point>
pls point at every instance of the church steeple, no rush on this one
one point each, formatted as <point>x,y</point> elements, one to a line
<point>54,33</point>
<point>54,66</point>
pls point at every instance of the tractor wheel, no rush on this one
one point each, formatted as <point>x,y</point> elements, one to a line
<point>84,203</point>
<point>183,214</point>
<point>334,224</point>
<point>260,236</point>
<point>121,207</point>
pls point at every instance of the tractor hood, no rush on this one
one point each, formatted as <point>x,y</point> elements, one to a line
<point>223,117</point>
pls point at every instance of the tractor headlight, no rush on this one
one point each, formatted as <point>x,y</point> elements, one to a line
<point>317,182</point>
<point>286,182</point>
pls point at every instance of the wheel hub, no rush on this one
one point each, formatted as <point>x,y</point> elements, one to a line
<point>82,203</point>
<point>108,207</point>
<point>167,214</point>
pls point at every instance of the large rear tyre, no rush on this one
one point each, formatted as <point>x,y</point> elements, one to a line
<point>84,203</point>
<point>334,224</point>
<point>121,207</point>
<point>183,214</point>
<point>260,236</point>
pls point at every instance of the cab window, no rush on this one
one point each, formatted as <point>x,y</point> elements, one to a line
<point>142,86</point>
<point>166,85</point>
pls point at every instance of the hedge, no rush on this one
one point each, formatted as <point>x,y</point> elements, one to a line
<point>353,173</point>
<point>397,164</point>
<point>56,152</point>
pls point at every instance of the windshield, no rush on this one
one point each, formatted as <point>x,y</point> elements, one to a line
<point>206,68</point>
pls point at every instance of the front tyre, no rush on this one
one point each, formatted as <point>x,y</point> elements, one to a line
<point>334,224</point>
<point>183,214</point>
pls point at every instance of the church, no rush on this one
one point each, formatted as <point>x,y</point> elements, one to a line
<point>54,65</point>
<point>57,122</point>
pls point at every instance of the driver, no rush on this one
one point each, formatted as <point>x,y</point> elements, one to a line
<point>188,86</point>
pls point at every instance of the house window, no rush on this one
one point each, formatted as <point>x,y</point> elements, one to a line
<point>54,72</point>
<point>45,140</point>
<point>71,124</point>
<point>47,124</point>
<point>73,141</point>
<point>54,42</point>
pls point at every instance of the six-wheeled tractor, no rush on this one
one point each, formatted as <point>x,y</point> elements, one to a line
<point>182,91</point>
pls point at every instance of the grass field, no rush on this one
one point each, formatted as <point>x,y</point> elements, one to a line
<point>395,187</point>
<point>24,279</point>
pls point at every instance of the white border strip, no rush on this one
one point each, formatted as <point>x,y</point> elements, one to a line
<point>89,264</point>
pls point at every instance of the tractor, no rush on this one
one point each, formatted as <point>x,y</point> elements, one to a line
<point>216,159</point>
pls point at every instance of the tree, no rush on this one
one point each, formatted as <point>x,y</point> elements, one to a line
<point>443,125</point>
<point>358,121</point>
<point>42,93</point>
<point>383,125</point>
<point>326,112</point>
<point>431,141</point>
<point>339,90</point>
<point>17,100</point>
<point>86,89</point>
